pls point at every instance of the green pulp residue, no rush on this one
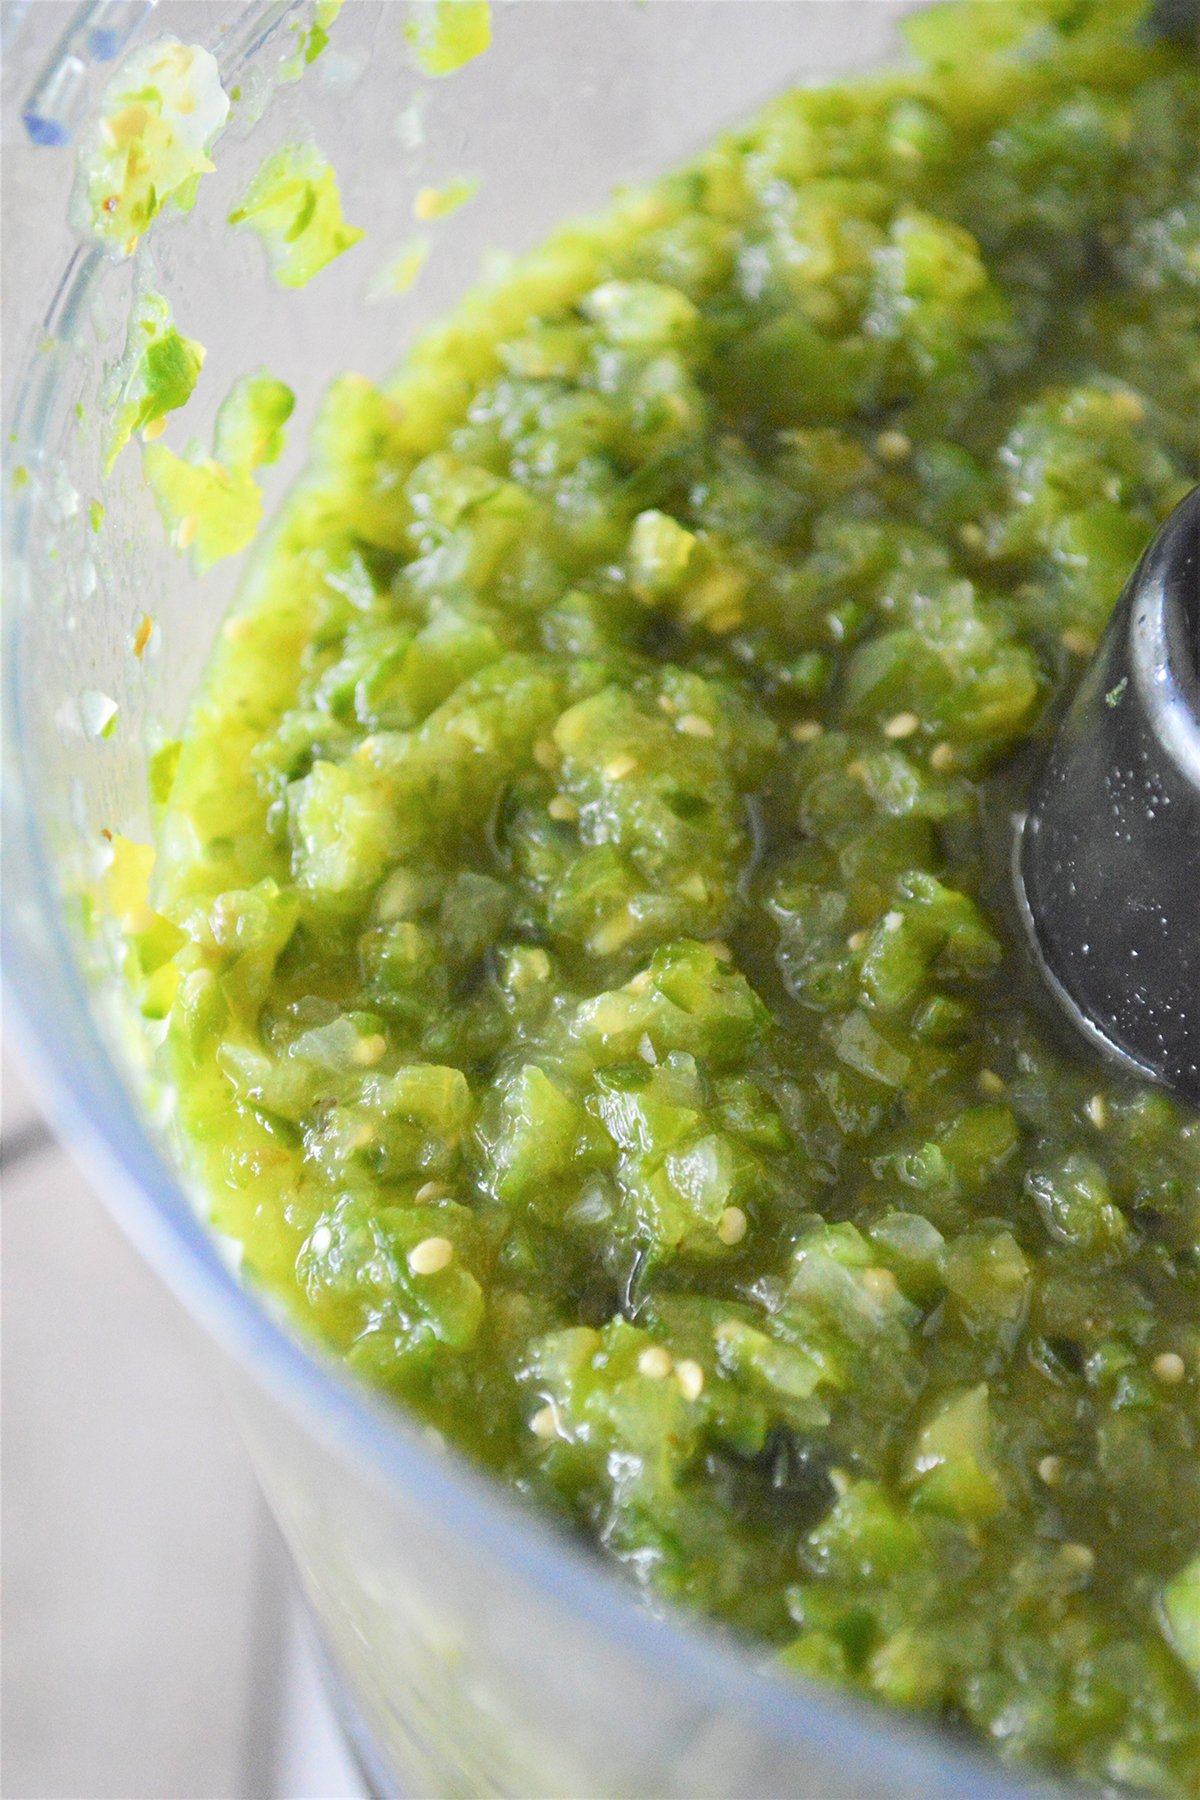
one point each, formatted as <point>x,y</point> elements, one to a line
<point>250,422</point>
<point>311,40</point>
<point>439,203</point>
<point>294,205</point>
<point>212,504</point>
<point>158,372</point>
<point>581,897</point>
<point>150,145</point>
<point>400,272</point>
<point>446,34</point>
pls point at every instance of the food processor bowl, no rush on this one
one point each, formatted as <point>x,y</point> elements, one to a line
<point>475,1649</point>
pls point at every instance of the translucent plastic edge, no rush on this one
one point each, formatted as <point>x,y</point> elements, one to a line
<point>95,33</point>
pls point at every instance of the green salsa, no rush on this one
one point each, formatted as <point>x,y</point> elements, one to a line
<point>581,910</point>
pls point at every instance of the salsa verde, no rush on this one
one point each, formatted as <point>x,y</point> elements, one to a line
<point>581,897</point>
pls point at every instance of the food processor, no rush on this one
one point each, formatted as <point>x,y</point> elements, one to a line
<point>472,1646</point>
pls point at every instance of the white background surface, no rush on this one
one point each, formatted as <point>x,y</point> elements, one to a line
<point>153,1648</point>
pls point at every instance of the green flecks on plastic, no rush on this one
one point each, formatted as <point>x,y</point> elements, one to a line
<point>149,147</point>
<point>294,205</point>
<point>163,765</point>
<point>400,272</point>
<point>250,422</point>
<point>212,505</point>
<point>448,34</point>
<point>439,203</point>
<point>206,507</point>
<point>160,370</point>
<point>95,514</point>
<point>311,41</point>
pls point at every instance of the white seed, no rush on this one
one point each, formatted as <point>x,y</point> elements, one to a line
<point>655,1362</point>
<point>892,921</point>
<point>1097,1112</point>
<point>942,758</point>
<point>1128,406</point>
<point>858,940</point>
<point>430,1190</point>
<point>690,1377</point>
<point>1077,1557</point>
<point>431,1256</point>
<point>695,725</point>
<point>1050,1470</point>
<point>525,968</point>
<point>544,1423</point>
<point>971,535</point>
<point>991,1083</point>
<point>562,808</point>
<point>320,1240</point>
<point>806,731</point>
<point>893,446</point>
<point>732,1226</point>
<point>614,934</point>
<point>619,767</point>
<point>880,1283</point>
<point>720,949</point>
<point>1169,1367</point>
<point>902,726</point>
<point>369,1050</point>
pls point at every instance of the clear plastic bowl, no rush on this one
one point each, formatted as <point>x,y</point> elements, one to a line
<point>475,1649</point>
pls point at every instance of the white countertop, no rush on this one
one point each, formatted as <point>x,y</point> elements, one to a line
<point>153,1647</point>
